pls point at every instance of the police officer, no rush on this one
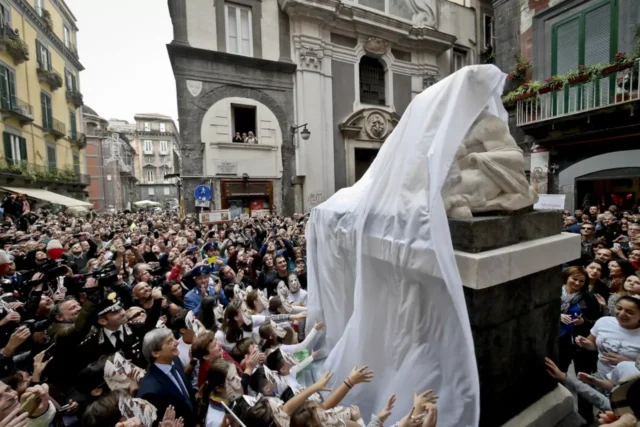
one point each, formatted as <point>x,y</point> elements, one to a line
<point>205,286</point>
<point>114,334</point>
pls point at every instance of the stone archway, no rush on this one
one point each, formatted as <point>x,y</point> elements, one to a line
<point>193,148</point>
<point>364,133</point>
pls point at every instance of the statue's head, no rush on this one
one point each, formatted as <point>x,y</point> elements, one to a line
<point>492,133</point>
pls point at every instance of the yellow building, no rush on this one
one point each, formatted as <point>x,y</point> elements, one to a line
<point>41,102</point>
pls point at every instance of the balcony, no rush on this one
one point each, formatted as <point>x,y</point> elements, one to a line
<point>99,133</point>
<point>13,45</point>
<point>41,173</point>
<point>78,138</point>
<point>75,97</point>
<point>56,128</point>
<point>51,76</point>
<point>595,95</point>
<point>18,109</point>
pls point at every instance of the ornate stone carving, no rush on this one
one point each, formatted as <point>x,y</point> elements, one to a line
<point>311,58</point>
<point>376,125</point>
<point>376,46</point>
<point>194,87</point>
<point>429,78</point>
<point>423,13</point>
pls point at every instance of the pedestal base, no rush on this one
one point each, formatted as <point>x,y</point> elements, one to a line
<point>555,409</point>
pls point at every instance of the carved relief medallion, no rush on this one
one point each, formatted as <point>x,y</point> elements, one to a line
<point>194,87</point>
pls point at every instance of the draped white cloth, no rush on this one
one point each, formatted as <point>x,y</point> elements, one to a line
<point>381,268</point>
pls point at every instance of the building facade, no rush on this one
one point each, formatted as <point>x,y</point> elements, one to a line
<point>110,163</point>
<point>319,85</point>
<point>41,101</point>
<point>156,139</point>
<point>582,131</point>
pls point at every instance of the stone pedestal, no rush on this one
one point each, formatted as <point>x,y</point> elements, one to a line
<point>510,266</point>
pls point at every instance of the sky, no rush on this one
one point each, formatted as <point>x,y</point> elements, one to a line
<point>122,45</point>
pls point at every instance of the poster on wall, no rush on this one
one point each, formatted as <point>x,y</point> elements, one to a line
<point>235,213</point>
<point>259,213</point>
<point>540,171</point>
<point>214,217</point>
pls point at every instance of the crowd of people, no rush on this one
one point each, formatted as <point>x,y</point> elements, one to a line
<point>144,319</point>
<point>600,307</point>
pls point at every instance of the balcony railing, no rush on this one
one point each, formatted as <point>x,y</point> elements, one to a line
<point>48,75</point>
<point>75,97</point>
<point>99,133</point>
<point>618,88</point>
<point>13,44</point>
<point>17,108</point>
<point>56,128</point>
<point>42,173</point>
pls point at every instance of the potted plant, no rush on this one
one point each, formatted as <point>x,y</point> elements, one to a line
<point>552,84</point>
<point>528,90</point>
<point>46,16</point>
<point>621,62</point>
<point>520,69</point>
<point>581,75</point>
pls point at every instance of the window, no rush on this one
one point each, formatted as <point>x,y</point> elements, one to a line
<point>147,126</point>
<point>40,7</point>
<point>76,164</point>
<point>163,127</point>
<point>65,36</point>
<point>51,157</point>
<point>239,31</point>
<point>459,59</point>
<point>167,191</point>
<point>488,31</point>
<point>372,84</point>
<point>73,131</point>
<point>148,146</point>
<point>5,18</point>
<point>15,149</point>
<point>152,192</point>
<point>44,56</point>
<point>47,115</point>
<point>243,120</point>
<point>588,38</point>
<point>163,147</point>
<point>7,88</point>
<point>151,175</point>
<point>70,79</point>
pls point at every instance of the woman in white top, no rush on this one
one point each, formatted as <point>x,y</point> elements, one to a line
<point>617,339</point>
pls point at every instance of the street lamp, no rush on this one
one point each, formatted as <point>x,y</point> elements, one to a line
<point>304,133</point>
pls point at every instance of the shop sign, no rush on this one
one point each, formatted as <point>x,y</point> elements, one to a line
<point>550,202</point>
<point>203,204</point>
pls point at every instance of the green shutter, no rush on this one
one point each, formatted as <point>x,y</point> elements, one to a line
<point>48,59</point>
<point>38,52</point>
<point>597,35</point>
<point>7,148</point>
<point>4,87</point>
<point>72,124</point>
<point>13,103</point>
<point>43,104</point>
<point>567,46</point>
<point>23,149</point>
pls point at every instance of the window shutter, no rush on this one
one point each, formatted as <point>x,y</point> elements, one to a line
<point>8,155</point>
<point>43,104</point>
<point>39,53</point>
<point>48,59</point>
<point>23,149</point>
<point>245,41</point>
<point>12,90</point>
<point>568,46</point>
<point>597,34</point>
<point>4,86</point>
<point>232,30</point>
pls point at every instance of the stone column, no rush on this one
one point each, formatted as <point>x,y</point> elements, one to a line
<point>510,266</point>
<point>298,193</point>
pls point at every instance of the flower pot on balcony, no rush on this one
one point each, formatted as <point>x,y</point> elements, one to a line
<point>579,79</point>
<point>74,97</point>
<point>551,87</point>
<point>615,68</point>
<point>525,95</point>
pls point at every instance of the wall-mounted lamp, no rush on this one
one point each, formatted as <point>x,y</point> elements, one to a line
<point>304,133</point>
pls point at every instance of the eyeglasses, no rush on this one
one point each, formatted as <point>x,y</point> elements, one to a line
<point>587,228</point>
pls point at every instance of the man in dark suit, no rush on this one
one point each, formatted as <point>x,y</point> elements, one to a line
<point>165,383</point>
<point>114,334</point>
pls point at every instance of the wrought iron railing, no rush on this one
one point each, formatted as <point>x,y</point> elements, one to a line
<point>48,172</point>
<point>620,87</point>
<point>18,106</point>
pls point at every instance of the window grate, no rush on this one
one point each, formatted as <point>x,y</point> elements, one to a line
<point>372,84</point>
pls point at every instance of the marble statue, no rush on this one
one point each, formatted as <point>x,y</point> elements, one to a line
<point>488,172</point>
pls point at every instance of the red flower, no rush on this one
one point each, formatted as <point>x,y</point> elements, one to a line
<point>548,79</point>
<point>511,75</point>
<point>620,55</point>
<point>526,84</point>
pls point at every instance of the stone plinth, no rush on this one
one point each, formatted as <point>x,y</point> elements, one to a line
<point>512,293</point>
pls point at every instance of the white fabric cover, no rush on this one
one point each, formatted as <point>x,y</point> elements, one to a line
<point>381,268</point>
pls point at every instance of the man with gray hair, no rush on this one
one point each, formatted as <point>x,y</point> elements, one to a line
<point>165,383</point>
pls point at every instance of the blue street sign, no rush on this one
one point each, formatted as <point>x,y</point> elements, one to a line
<point>202,193</point>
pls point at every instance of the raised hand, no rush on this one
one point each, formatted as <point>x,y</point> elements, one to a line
<point>386,411</point>
<point>361,375</point>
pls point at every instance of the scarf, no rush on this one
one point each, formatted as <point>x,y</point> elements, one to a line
<point>569,299</point>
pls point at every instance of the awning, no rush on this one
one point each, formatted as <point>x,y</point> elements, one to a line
<point>48,196</point>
